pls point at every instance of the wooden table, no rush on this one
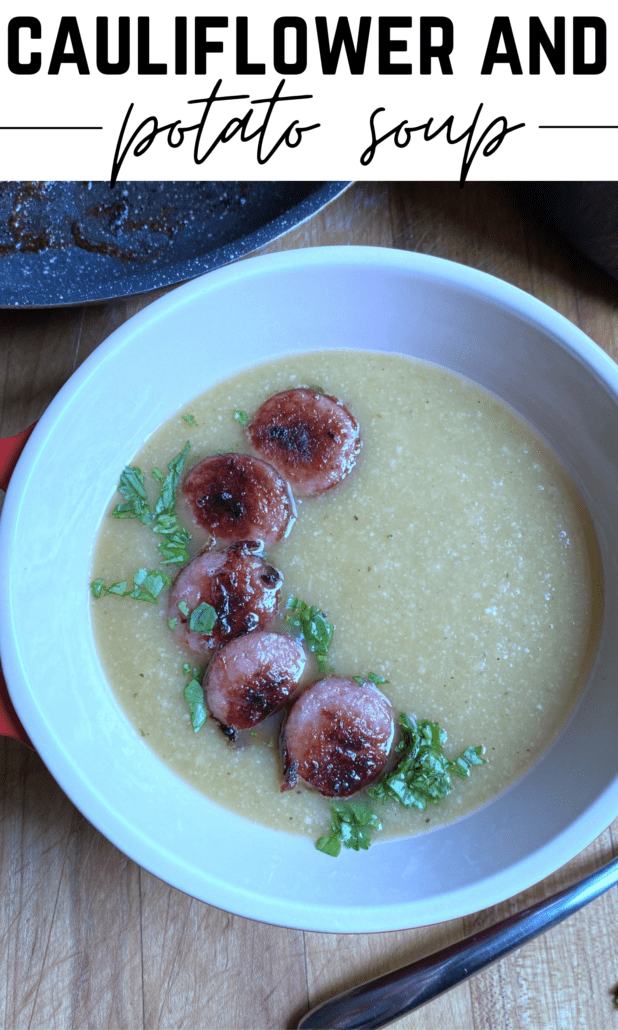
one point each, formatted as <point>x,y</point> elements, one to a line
<point>90,940</point>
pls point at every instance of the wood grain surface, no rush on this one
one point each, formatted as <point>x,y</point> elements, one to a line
<point>90,940</point>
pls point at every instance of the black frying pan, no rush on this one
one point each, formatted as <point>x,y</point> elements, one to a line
<point>72,242</point>
<point>586,213</point>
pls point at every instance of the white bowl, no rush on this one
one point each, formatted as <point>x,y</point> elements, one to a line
<point>296,301</point>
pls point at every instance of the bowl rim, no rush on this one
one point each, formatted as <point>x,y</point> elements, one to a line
<point>169,867</point>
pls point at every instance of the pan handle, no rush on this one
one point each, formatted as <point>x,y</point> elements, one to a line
<point>10,450</point>
<point>10,725</point>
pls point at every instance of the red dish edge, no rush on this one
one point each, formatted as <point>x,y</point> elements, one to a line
<point>10,450</point>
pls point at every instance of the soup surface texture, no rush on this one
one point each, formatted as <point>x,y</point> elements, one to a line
<point>457,561</point>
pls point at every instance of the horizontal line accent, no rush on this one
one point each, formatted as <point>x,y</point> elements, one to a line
<point>578,126</point>
<point>53,128</point>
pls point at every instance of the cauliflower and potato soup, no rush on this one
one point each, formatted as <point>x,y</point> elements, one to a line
<point>456,562</point>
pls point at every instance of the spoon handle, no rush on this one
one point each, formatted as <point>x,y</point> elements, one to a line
<point>389,997</point>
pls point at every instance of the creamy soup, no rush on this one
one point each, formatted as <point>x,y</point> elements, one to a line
<point>457,561</point>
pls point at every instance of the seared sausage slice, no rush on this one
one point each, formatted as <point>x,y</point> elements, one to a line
<point>337,736</point>
<point>238,497</point>
<point>241,587</point>
<point>310,438</point>
<point>253,676</point>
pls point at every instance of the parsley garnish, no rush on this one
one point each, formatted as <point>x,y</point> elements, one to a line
<point>352,823</point>
<point>423,773</point>
<point>203,618</point>
<point>194,696</point>
<point>167,497</point>
<point>174,547</point>
<point>463,763</point>
<point>147,585</point>
<point>378,681</point>
<point>241,416</point>
<point>190,420</point>
<point>316,630</point>
<point>135,505</point>
<point>163,519</point>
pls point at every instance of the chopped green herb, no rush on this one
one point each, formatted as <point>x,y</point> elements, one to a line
<point>174,547</point>
<point>352,823</point>
<point>147,585</point>
<point>135,505</point>
<point>167,497</point>
<point>371,676</point>
<point>463,763</point>
<point>97,586</point>
<point>423,773</point>
<point>172,623</point>
<point>118,588</point>
<point>190,420</point>
<point>330,844</point>
<point>163,520</point>
<point>166,523</point>
<point>316,630</point>
<point>241,416</point>
<point>203,618</point>
<point>194,696</point>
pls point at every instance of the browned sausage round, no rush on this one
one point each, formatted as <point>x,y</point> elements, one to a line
<point>311,439</point>
<point>241,587</point>
<point>238,497</point>
<point>337,736</point>
<point>253,676</point>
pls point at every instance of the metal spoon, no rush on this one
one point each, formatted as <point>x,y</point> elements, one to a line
<point>393,995</point>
